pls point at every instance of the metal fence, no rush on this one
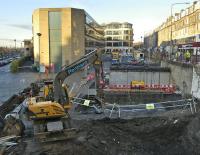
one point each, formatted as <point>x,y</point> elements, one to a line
<point>138,110</point>
<point>151,107</point>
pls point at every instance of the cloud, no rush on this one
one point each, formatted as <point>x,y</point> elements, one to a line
<point>21,26</point>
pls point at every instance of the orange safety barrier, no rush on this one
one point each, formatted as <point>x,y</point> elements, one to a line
<point>164,88</point>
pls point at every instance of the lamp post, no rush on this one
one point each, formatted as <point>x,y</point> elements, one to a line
<point>39,35</point>
<point>15,45</point>
<point>22,44</point>
<point>171,39</point>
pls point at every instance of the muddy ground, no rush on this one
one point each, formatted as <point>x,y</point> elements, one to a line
<point>162,135</point>
<point>139,136</point>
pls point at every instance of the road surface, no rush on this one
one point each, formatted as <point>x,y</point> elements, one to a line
<point>14,83</point>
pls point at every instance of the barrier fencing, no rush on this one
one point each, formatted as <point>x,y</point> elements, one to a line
<point>163,88</point>
<point>151,107</point>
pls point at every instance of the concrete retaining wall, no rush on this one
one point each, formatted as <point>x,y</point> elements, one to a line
<point>196,82</point>
<point>185,76</point>
<point>120,77</point>
<point>182,75</point>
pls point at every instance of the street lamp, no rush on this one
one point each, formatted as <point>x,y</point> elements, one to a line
<point>171,40</point>
<point>141,41</point>
<point>22,44</point>
<point>15,45</point>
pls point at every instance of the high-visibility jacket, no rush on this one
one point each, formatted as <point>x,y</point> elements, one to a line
<point>187,55</point>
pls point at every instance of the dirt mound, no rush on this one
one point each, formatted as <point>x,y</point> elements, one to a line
<point>141,136</point>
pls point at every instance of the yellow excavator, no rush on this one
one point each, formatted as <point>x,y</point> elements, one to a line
<point>50,112</point>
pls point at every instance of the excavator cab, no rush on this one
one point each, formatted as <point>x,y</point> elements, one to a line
<point>48,90</point>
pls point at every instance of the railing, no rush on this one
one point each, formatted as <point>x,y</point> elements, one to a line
<point>151,107</point>
<point>140,109</point>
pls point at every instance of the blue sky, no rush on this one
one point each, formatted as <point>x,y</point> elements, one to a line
<point>145,15</point>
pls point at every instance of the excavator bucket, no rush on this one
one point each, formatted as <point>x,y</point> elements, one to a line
<point>65,134</point>
<point>55,130</point>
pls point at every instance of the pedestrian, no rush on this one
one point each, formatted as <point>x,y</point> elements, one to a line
<point>187,56</point>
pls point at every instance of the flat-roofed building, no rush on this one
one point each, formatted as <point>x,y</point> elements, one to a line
<point>118,37</point>
<point>63,35</point>
<point>28,47</point>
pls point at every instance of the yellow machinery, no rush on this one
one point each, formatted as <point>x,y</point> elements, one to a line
<point>45,109</point>
<point>50,112</point>
<point>115,55</point>
<point>137,84</point>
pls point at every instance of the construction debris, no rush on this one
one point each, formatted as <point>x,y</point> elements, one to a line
<point>7,143</point>
<point>142,136</point>
<point>10,104</point>
<point>13,126</point>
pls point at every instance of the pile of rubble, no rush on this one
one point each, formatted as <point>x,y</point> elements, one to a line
<point>8,106</point>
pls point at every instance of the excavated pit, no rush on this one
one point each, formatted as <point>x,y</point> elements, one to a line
<point>141,136</point>
<point>164,134</point>
<point>138,97</point>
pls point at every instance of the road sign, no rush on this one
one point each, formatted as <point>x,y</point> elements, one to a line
<point>150,106</point>
<point>42,69</point>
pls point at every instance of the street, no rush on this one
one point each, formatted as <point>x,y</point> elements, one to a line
<point>11,84</point>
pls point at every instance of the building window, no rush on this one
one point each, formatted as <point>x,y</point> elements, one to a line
<point>126,32</point>
<point>109,44</point>
<point>115,32</point>
<point>55,44</point>
<point>94,33</point>
<point>116,26</point>
<point>125,43</point>
<point>127,26</point>
<point>115,44</point>
<point>109,38</point>
<point>192,19</point>
<point>108,32</point>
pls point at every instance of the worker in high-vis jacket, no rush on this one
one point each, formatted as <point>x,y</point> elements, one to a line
<point>187,56</point>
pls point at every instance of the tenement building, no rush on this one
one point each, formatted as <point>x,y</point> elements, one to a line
<point>181,31</point>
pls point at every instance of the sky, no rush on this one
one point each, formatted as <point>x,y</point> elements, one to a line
<point>145,15</point>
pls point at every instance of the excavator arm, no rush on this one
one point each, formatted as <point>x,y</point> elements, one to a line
<point>60,94</point>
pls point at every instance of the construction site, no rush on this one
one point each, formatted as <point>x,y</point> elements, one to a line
<point>98,106</point>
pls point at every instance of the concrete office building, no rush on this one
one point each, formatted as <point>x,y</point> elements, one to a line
<point>63,35</point>
<point>118,37</point>
<point>28,47</point>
